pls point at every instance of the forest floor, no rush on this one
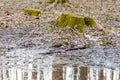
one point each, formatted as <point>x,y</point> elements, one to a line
<point>21,33</point>
<point>25,30</point>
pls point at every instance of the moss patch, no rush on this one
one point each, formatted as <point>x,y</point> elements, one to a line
<point>59,1</point>
<point>71,20</point>
<point>75,21</point>
<point>31,11</point>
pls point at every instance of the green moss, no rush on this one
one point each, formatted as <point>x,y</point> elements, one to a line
<point>69,19</point>
<point>33,12</point>
<point>61,20</point>
<point>105,41</point>
<point>89,21</point>
<point>75,21</point>
<point>59,1</point>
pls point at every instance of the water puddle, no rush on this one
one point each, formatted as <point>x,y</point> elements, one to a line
<point>97,63</point>
<point>59,72</point>
<point>22,60</point>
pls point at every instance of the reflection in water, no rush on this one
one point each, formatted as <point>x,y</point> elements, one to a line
<point>60,72</point>
<point>37,65</point>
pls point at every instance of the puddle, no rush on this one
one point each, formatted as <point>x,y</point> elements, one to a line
<point>97,63</point>
<point>19,62</point>
<point>59,72</point>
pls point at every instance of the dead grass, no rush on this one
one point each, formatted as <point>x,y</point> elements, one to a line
<point>12,12</point>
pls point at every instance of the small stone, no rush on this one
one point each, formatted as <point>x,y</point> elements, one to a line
<point>60,43</point>
<point>81,53</point>
<point>57,44</point>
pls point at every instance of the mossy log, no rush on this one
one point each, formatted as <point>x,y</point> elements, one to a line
<point>59,1</point>
<point>72,20</point>
<point>31,11</point>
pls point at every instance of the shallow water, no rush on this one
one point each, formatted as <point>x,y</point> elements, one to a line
<point>60,72</point>
<point>30,62</point>
<point>97,63</point>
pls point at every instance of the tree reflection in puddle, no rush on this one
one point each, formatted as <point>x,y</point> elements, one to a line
<point>60,72</point>
<point>36,65</point>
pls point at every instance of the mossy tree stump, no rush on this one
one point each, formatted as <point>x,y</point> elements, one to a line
<point>72,20</point>
<point>58,1</point>
<point>31,11</point>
